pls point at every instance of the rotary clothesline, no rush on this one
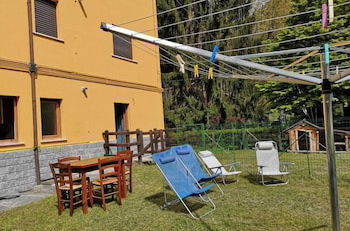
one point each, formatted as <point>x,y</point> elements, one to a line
<point>217,73</point>
<point>249,23</point>
<point>210,72</point>
<point>231,60</point>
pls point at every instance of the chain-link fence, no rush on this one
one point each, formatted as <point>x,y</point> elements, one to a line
<point>239,139</point>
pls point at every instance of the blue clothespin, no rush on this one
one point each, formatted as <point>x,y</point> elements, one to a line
<point>213,55</point>
<point>326,53</point>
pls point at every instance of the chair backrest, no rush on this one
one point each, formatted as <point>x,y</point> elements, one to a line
<point>109,167</point>
<point>62,174</point>
<point>188,157</point>
<point>68,158</point>
<point>209,159</point>
<point>175,173</point>
<point>126,155</point>
<point>267,155</point>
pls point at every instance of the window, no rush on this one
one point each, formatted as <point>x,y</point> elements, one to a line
<point>50,118</point>
<point>122,46</point>
<point>45,17</point>
<point>8,112</point>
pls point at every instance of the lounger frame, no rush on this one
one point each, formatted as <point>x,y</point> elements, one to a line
<point>173,202</point>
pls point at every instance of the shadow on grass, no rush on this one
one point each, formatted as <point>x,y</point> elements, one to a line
<point>228,181</point>
<point>194,206</point>
<point>269,180</point>
<point>316,228</point>
<point>251,178</point>
<point>158,199</point>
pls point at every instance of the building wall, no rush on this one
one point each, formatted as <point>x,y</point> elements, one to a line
<point>15,83</point>
<point>84,118</point>
<point>14,30</point>
<point>84,49</point>
<point>292,142</point>
<point>88,49</point>
<point>81,56</point>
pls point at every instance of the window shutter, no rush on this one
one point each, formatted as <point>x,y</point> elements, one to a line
<point>122,46</point>
<point>1,112</point>
<point>45,17</point>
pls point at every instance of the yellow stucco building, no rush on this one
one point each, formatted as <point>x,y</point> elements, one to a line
<point>63,81</point>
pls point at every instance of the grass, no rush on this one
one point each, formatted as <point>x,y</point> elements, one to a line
<point>303,204</point>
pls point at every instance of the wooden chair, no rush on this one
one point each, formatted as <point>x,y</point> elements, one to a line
<point>67,191</point>
<point>76,177</point>
<point>109,183</point>
<point>128,157</point>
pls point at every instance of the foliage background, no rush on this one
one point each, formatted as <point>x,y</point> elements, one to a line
<point>188,100</point>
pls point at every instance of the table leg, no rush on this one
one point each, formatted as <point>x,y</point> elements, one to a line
<point>84,189</point>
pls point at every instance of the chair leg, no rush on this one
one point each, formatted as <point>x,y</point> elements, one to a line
<point>60,207</point>
<point>103,197</point>
<point>262,179</point>
<point>119,188</point>
<point>71,202</point>
<point>130,182</point>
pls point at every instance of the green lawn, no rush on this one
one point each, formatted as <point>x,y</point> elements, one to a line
<point>303,204</point>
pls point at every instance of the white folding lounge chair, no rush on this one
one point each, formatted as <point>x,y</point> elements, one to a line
<point>215,166</point>
<point>268,163</point>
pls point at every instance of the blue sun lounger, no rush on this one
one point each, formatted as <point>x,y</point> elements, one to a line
<point>188,156</point>
<point>180,181</point>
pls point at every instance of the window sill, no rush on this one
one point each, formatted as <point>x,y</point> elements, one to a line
<point>123,58</point>
<point>10,143</point>
<point>48,37</point>
<point>52,140</point>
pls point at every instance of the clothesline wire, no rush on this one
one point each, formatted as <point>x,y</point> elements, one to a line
<point>252,23</point>
<point>162,12</point>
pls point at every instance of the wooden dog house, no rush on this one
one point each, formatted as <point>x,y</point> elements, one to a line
<point>305,136</point>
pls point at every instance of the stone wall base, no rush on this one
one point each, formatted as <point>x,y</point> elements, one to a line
<point>17,168</point>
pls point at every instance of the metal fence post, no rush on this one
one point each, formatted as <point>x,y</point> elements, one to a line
<point>203,135</point>
<point>308,162</point>
<point>233,137</point>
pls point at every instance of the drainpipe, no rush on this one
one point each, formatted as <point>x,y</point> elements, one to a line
<point>33,75</point>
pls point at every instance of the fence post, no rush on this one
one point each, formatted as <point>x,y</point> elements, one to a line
<point>177,136</point>
<point>280,131</point>
<point>162,140</point>
<point>106,144</point>
<point>127,139</point>
<point>233,137</point>
<point>156,140</point>
<point>203,135</point>
<point>243,140</point>
<point>308,163</point>
<point>139,137</point>
<point>151,140</point>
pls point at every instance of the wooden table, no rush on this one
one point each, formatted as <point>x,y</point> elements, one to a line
<point>88,165</point>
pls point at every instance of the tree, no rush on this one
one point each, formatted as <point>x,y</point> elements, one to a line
<point>190,100</point>
<point>300,101</point>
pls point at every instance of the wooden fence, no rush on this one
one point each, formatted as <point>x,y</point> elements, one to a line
<point>159,140</point>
